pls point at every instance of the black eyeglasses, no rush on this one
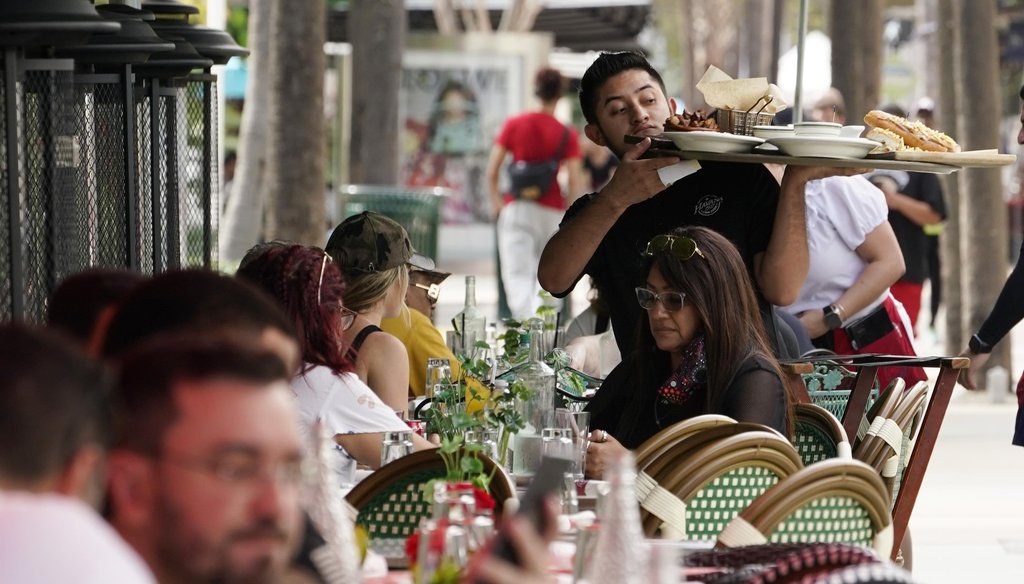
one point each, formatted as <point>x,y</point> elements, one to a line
<point>433,291</point>
<point>348,318</point>
<point>683,248</point>
<point>672,301</point>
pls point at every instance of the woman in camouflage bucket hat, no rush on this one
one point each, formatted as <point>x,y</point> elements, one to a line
<point>373,252</point>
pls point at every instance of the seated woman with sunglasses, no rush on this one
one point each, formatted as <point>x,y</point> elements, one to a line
<point>702,349</point>
<point>308,286</point>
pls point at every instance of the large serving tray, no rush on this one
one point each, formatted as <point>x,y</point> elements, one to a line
<point>951,162</point>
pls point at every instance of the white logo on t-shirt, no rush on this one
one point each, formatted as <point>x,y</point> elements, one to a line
<point>708,205</point>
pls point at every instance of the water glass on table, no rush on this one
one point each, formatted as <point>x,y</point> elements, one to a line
<point>395,445</point>
<point>439,371</point>
<point>557,443</point>
<point>578,424</point>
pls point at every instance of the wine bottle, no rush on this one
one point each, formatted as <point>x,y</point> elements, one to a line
<point>538,410</point>
<point>470,323</point>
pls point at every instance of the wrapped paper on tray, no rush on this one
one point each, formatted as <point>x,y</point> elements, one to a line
<point>723,92</point>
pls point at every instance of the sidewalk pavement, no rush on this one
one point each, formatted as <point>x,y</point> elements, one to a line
<point>968,521</point>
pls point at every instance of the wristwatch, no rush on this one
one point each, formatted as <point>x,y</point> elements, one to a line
<point>832,318</point>
<point>978,346</point>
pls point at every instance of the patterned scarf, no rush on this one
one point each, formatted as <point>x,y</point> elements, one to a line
<point>691,377</point>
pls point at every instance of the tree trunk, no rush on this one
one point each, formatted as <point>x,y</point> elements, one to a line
<point>669,20</point>
<point>856,31</point>
<point>873,50</point>
<point>377,30</point>
<point>295,170</point>
<point>846,32</point>
<point>778,13</point>
<point>982,209</point>
<point>755,39</point>
<point>946,20</point>
<point>242,222</point>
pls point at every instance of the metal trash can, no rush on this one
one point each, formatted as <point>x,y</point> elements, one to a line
<point>418,210</point>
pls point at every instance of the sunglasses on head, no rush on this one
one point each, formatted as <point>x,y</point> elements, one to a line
<point>682,247</point>
<point>433,291</point>
<point>672,301</point>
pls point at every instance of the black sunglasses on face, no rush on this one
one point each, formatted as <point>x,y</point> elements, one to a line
<point>672,301</point>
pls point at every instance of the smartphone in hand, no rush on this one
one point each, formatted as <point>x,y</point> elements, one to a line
<point>547,480</point>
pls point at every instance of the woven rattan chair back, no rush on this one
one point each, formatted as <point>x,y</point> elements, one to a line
<point>834,501</point>
<point>818,434</point>
<point>391,501</point>
<point>672,457</point>
<point>654,446</point>
<point>722,477</point>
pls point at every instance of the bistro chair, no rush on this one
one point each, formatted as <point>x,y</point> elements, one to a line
<point>663,440</point>
<point>834,501</point>
<point>818,434</point>
<point>697,496</point>
<point>391,501</point>
<point>886,443</point>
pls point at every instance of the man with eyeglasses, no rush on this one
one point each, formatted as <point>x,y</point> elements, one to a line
<point>205,474</point>
<point>415,328</point>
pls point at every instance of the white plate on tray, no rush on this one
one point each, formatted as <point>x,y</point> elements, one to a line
<point>721,142</point>
<point>824,146</point>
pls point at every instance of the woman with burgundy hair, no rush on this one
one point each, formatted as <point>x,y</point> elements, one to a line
<point>309,286</point>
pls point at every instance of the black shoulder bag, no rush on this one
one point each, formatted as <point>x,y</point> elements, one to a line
<point>530,180</point>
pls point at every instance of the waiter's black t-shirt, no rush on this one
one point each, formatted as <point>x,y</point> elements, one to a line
<point>736,200</point>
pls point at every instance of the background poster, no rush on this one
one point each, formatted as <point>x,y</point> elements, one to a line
<point>452,106</point>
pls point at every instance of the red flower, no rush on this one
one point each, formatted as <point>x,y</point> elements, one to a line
<point>412,547</point>
<point>412,543</point>
<point>484,501</point>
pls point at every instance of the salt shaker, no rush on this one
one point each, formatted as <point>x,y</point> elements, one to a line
<point>395,446</point>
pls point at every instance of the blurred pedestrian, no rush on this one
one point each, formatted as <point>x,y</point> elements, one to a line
<point>528,213</point>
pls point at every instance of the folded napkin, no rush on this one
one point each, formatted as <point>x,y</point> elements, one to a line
<point>723,92</point>
<point>591,488</point>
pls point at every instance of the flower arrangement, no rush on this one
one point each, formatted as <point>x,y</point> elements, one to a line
<point>430,548</point>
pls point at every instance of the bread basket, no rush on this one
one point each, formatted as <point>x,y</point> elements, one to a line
<point>743,122</point>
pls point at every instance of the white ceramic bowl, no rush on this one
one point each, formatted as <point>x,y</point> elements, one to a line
<point>851,131</point>
<point>817,129</point>
<point>769,132</point>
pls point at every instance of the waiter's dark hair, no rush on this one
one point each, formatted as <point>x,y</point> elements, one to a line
<point>606,66</point>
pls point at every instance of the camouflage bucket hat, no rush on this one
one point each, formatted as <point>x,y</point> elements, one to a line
<point>369,242</point>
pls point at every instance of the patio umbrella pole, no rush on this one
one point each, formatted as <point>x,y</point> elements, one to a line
<point>798,112</point>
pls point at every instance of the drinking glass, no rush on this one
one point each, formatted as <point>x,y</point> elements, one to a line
<point>578,424</point>
<point>395,446</point>
<point>439,371</point>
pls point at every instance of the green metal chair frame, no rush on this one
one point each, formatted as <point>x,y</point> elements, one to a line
<point>927,431</point>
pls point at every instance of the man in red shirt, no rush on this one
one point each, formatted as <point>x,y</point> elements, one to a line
<point>525,221</point>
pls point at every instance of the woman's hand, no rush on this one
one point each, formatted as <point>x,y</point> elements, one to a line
<point>602,449</point>
<point>814,322</point>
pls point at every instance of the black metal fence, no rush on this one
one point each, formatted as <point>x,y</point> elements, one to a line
<point>106,166</point>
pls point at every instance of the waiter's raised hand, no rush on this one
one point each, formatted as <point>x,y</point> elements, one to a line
<point>637,180</point>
